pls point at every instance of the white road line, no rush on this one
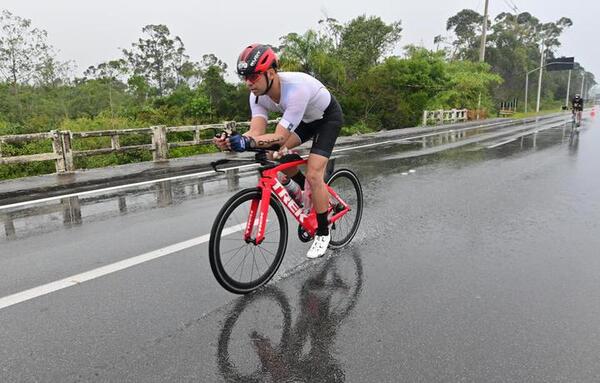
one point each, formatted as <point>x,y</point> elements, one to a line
<point>210,172</point>
<point>527,133</point>
<point>502,143</point>
<point>74,280</point>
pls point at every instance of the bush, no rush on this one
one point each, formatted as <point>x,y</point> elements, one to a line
<point>187,151</point>
<point>357,128</point>
<point>100,122</point>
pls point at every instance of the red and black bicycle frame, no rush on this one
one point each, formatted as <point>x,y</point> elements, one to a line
<point>268,184</point>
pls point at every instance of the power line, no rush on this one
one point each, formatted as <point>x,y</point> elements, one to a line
<point>511,6</point>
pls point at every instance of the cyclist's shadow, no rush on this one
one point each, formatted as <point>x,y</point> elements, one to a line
<point>266,346</point>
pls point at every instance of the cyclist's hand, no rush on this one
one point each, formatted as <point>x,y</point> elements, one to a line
<point>222,142</point>
<point>280,153</point>
<point>239,143</point>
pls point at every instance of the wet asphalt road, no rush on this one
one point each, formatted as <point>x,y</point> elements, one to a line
<point>482,265</point>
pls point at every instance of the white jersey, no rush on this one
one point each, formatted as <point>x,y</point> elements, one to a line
<point>303,98</point>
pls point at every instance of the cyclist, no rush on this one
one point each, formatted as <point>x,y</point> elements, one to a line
<point>308,111</point>
<point>577,107</point>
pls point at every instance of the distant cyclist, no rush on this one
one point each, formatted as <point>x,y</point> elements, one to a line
<point>577,107</point>
<point>308,111</point>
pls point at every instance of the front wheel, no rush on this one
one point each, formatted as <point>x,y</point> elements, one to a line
<point>347,186</point>
<point>241,266</point>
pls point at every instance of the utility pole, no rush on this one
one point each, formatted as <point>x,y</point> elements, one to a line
<point>582,83</point>
<point>526,87</point>
<point>483,33</point>
<point>568,89</point>
<point>482,47</point>
<point>539,93</point>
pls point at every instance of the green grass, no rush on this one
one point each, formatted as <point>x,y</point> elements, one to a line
<point>533,114</point>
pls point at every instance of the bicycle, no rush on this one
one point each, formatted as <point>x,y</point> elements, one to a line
<point>239,231</point>
<point>575,122</point>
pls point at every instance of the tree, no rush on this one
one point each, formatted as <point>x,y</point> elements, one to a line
<point>365,41</point>
<point>298,51</point>
<point>51,72</point>
<point>159,59</point>
<point>467,26</point>
<point>24,52</point>
<point>112,74</point>
<point>215,88</point>
<point>467,81</point>
<point>515,49</point>
<point>394,93</point>
<point>315,54</point>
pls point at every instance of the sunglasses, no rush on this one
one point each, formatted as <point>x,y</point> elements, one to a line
<point>253,77</point>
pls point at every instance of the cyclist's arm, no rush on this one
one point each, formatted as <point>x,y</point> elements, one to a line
<point>260,116</point>
<point>268,140</point>
<point>258,127</point>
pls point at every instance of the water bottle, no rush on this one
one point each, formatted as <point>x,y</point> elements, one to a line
<point>292,188</point>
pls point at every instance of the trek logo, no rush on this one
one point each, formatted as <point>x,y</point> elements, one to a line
<point>242,65</point>
<point>288,201</point>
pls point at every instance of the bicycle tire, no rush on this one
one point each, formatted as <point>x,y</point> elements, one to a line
<point>354,197</point>
<point>217,253</point>
<point>227,365</point>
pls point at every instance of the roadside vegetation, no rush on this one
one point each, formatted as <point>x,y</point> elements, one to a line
<point>155,82</point>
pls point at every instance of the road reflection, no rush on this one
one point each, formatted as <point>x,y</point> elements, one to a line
<point>76,210</point>
<point>259,341</point>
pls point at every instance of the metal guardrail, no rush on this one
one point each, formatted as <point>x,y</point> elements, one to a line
<point>63,152</point>
<point>436,117</point>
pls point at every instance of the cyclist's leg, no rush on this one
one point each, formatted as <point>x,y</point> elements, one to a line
<point>292,141</point>
<point>315,172</point>
<point>323,143</point>
<point>300,135</point>
<point>327,131</point>
<point>326,135</point>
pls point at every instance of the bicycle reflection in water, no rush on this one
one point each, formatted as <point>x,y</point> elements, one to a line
<point>258,343</point>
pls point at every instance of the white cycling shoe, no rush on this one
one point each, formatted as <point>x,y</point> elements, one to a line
<point>319,246</point>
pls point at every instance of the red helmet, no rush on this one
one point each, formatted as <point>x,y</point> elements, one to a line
<point>256,58</point>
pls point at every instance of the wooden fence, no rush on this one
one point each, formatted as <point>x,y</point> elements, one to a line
<point>437,117</point>
<point>63,151</point>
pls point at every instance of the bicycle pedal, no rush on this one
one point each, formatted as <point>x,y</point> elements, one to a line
<point>303,235</point>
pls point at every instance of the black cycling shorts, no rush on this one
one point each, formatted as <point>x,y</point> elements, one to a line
<point>324,131</point>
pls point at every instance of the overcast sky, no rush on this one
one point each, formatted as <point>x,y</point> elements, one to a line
<point>90,32</point>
